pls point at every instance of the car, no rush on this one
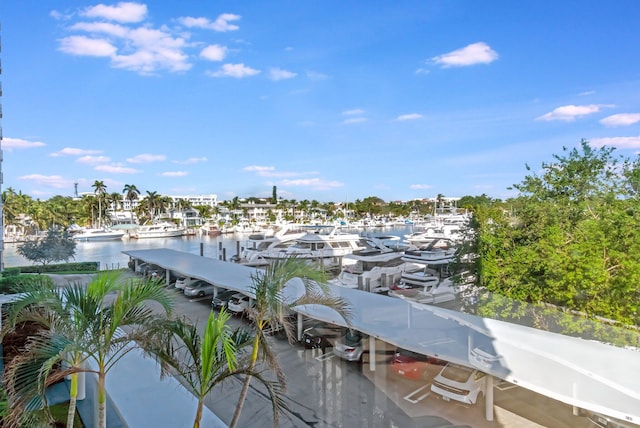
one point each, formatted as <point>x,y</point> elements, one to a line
<point>350,347</point>
<point>322,335</point>
<point>459,383</point>
<point>182,282</point>
<point>222,298</point>
<point>415,366</point>
<point>198,288</point>
<point>238,303</point>
<point>603,421</point>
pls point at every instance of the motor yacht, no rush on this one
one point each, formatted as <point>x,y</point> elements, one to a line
<point>97,234</point>
<point>158,230</point>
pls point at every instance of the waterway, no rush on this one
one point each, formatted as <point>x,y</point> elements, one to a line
<point>110,256</point>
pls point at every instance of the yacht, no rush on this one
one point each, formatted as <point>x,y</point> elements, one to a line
<point>97,234</point>
<point>275,241</point>
<point>210,228</point>
<point>324,244</point>
<point>159,230</point>
<point>373,272</point>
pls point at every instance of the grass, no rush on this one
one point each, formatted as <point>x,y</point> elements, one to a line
<point>59,413</point>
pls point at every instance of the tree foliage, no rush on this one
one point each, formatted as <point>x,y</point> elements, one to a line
<point>56,246</point>
<point>570,237</point>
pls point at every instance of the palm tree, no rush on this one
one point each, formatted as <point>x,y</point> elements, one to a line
<point>273,309</point>
<point>205,362</point>
<point>99,189</point>
<point>82,326</point>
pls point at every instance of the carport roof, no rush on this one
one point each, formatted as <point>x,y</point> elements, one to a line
<point>586,374</point>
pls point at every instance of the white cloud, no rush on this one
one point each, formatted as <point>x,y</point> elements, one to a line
<point>191,161</point>
<point>421,186</point>
<point>54,181</point>
<point>585,93</point>
<point>619,142</point>
<point>121,12</point>
<point>146,158</point>
<point>234,70</point>
<point>85,46</point>
<point>214,53</point>
<point>313,183</point>
<point>355,120</point>
<point>174,173</point>
<point>622,119</point>
<point>569,113</point>
<point>410,116</point>
<point>116,169</point>
<point>71,151</point>
<point>422,71</point>
<point>101,27</point>
<point>280,74</point>
<point>93,160</point>
<point>354,112</point>
<point>221,24</point>
<point>18,143</point>
<point>261,170</point>
<point>475,53</point>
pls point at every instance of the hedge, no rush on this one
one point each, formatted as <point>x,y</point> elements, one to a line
<point>61,267</point>
<point>15,283</point>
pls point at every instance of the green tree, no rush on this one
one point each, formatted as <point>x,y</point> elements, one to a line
<point>205,362</point>
<point>55,246</point>
<point>272,309</point>
<point>99,188</point>
<point>100,322</point>
<point>569,239</point>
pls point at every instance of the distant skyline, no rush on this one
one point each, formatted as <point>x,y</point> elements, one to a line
<point>329,100</point>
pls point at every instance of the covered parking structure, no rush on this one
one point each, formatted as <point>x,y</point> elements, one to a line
<point>589,375</point>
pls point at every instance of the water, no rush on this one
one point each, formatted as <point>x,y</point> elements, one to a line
<point>110,256</point>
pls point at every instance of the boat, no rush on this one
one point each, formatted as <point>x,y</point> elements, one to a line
<point>324,244</point>
<point>97,234</point>
<point>211,229</point>
<point>259,243</point>
<point>158,230</point>
<point>373,272</point>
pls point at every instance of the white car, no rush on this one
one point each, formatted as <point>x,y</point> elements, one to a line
<point>238,303</point>
<point>459,383</point>
<point>182,282</point>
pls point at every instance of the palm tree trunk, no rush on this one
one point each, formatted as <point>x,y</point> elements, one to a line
<point>102,402</point>
<point>245,386</point>
<point>196,423</point>
<point>73,395</point>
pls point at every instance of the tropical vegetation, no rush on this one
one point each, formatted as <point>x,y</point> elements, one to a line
<point>86,329</point>
<point>275,296</point>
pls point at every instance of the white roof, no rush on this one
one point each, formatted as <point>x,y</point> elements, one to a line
<point>590,375</point>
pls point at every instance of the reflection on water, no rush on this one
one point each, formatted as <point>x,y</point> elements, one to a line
<point>109,253</point>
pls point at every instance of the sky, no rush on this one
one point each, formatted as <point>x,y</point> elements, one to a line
<point>326,100</point>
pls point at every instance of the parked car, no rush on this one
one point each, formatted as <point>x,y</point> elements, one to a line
<point>350,347</point>
<point>415,366</point>
<point>182,282</point>
<point>460,383</point>
<point>222,298</point>
<point>322,335</point>
<point>603,421</point>
<point>198,288</point>
<point>238,303</point>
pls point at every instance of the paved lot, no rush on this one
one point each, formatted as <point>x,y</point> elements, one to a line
<point>325,391</point>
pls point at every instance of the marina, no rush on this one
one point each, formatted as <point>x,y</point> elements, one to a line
<point>110,253</point>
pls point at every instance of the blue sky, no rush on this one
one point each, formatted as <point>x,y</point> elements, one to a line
<point>327,100</point>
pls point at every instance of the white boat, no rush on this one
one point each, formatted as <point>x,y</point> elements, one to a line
<point>324,244</point>
<point>158,230</point>
<point>259,243</point>
<point>373,272</point>
<point>211,228</point>
<point>97,234</point>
